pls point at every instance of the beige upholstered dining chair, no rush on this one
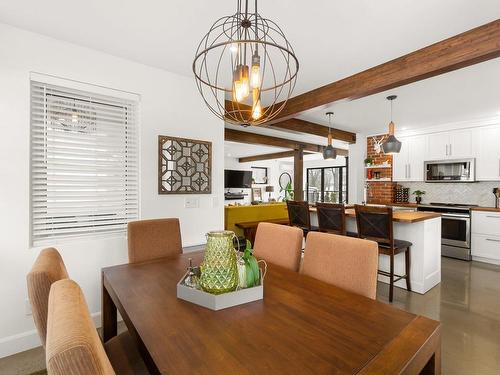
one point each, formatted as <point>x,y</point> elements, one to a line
<point>279,244</point>
<point>153,239</point>
<point>346,262</point>
<point>47,269</point>
<point>73,345</point>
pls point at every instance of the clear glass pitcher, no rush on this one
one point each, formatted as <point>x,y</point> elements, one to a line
<point>219,272</point>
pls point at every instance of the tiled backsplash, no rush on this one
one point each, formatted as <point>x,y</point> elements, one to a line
<point>480,193</point>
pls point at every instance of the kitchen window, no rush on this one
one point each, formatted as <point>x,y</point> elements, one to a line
<point>327,184</point>
<point>84,163</point>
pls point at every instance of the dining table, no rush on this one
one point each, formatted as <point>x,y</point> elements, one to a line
<point>301,326</point>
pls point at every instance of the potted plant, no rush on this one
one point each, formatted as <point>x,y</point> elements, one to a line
<point>418,195</point>
<point>368,162</point>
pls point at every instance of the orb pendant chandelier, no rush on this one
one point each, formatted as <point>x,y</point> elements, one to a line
<point>245,68</point>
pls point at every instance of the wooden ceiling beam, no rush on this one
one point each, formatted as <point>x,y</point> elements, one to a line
<point>271,156</point>
<point>303,126</point>
<point>465,49</point>
<point>259,139</point>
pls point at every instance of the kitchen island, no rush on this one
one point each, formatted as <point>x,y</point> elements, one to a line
<point>423,230</point>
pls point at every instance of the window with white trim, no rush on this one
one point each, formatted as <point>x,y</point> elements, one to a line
<point>84,163</point>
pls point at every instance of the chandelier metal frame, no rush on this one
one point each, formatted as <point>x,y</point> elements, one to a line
<point>248,40</point>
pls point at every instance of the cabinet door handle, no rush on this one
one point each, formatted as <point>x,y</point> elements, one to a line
<point>409,170</point>
<point>493,217</point>
<point>446,150</point>
<point>450,150</point>
<point>492,240</point>
<point>406,170</point>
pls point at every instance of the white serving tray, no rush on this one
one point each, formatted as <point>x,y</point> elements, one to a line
<point>219,301</point>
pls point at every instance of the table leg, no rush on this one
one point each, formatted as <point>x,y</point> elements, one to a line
<point>108,315</point>
<point>433,367</point>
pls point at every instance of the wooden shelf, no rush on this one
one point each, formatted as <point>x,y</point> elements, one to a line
<point>379,180</point>
<point>378,166</point>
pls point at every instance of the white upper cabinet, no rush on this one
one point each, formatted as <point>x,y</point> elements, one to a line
<point>438,145</point>
<point>400,161</point>
<point>417,146</point>
<point>460,144</point>
<point>408,165</point>
<point>455,144</point>
<point>488,153</point>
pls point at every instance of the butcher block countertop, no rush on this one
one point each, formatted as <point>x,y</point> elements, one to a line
<point>405,216</point>
<point>486,209</point>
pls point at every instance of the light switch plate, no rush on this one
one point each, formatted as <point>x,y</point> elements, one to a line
<point>192,202</point>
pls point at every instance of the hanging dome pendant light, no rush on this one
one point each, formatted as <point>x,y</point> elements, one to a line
<point>391,144</point>
<point>329,152</point>
<point>245,68</point>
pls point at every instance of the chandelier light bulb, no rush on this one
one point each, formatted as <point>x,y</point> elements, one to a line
<point>257,106</point>
<point>255,74</point>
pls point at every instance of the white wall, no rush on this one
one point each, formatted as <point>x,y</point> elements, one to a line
<point>170,105</point>
<point>357,155</point>
<point>273,173</point>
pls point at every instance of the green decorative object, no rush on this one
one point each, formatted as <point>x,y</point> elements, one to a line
<point>219,271</point>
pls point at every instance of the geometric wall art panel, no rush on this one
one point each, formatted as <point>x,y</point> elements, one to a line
<point>184,166</point>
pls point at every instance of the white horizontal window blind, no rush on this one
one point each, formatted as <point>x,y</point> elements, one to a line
<point>84,172</point>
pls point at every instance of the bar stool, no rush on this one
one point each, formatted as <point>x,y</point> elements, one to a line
<point>298,216</point>
<point>331,219</point>
<point>375,223</point>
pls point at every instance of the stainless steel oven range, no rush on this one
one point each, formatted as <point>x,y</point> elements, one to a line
<point>455,228</point>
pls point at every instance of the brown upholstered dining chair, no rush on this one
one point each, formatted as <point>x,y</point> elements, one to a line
<point>279,244</point>
<point>349,263</point>
<point>48,268</point>
<point>375,223</point>
<point>153,239</point>
<point>298,216</point>
<point>73,345</point>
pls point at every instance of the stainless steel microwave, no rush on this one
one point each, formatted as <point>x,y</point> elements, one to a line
<point>461,170</point>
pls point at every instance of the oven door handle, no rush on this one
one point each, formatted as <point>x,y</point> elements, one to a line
<point>456,216</point>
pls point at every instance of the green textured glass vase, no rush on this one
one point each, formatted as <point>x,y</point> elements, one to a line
<point>219,271</point>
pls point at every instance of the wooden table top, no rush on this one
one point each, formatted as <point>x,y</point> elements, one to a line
<point>301,326</point>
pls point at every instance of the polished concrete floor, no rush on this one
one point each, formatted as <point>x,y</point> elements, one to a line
<point>467,302</point>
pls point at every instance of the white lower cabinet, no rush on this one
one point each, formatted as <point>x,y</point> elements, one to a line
<point>485,244</point>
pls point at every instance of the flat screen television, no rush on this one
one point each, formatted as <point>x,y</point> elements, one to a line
<point>237,179</point>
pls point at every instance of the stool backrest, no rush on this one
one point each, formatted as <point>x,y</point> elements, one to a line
<point>375,223</point>
<point>298,214</point>
<point>331,218</point>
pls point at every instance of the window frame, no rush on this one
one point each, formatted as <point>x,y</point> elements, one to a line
<point>130,100</point>
<point>342,169</point>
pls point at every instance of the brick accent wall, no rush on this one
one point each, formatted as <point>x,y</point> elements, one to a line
<point>379,192</point>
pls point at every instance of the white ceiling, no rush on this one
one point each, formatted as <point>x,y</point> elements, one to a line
<point>332,39</point>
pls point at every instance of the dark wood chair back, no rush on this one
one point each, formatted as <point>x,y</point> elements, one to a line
<point>375,223</point>
<point>331,218</point>
<point>298,214</point>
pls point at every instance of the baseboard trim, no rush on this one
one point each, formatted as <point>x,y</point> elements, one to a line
<point>23,341</point>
